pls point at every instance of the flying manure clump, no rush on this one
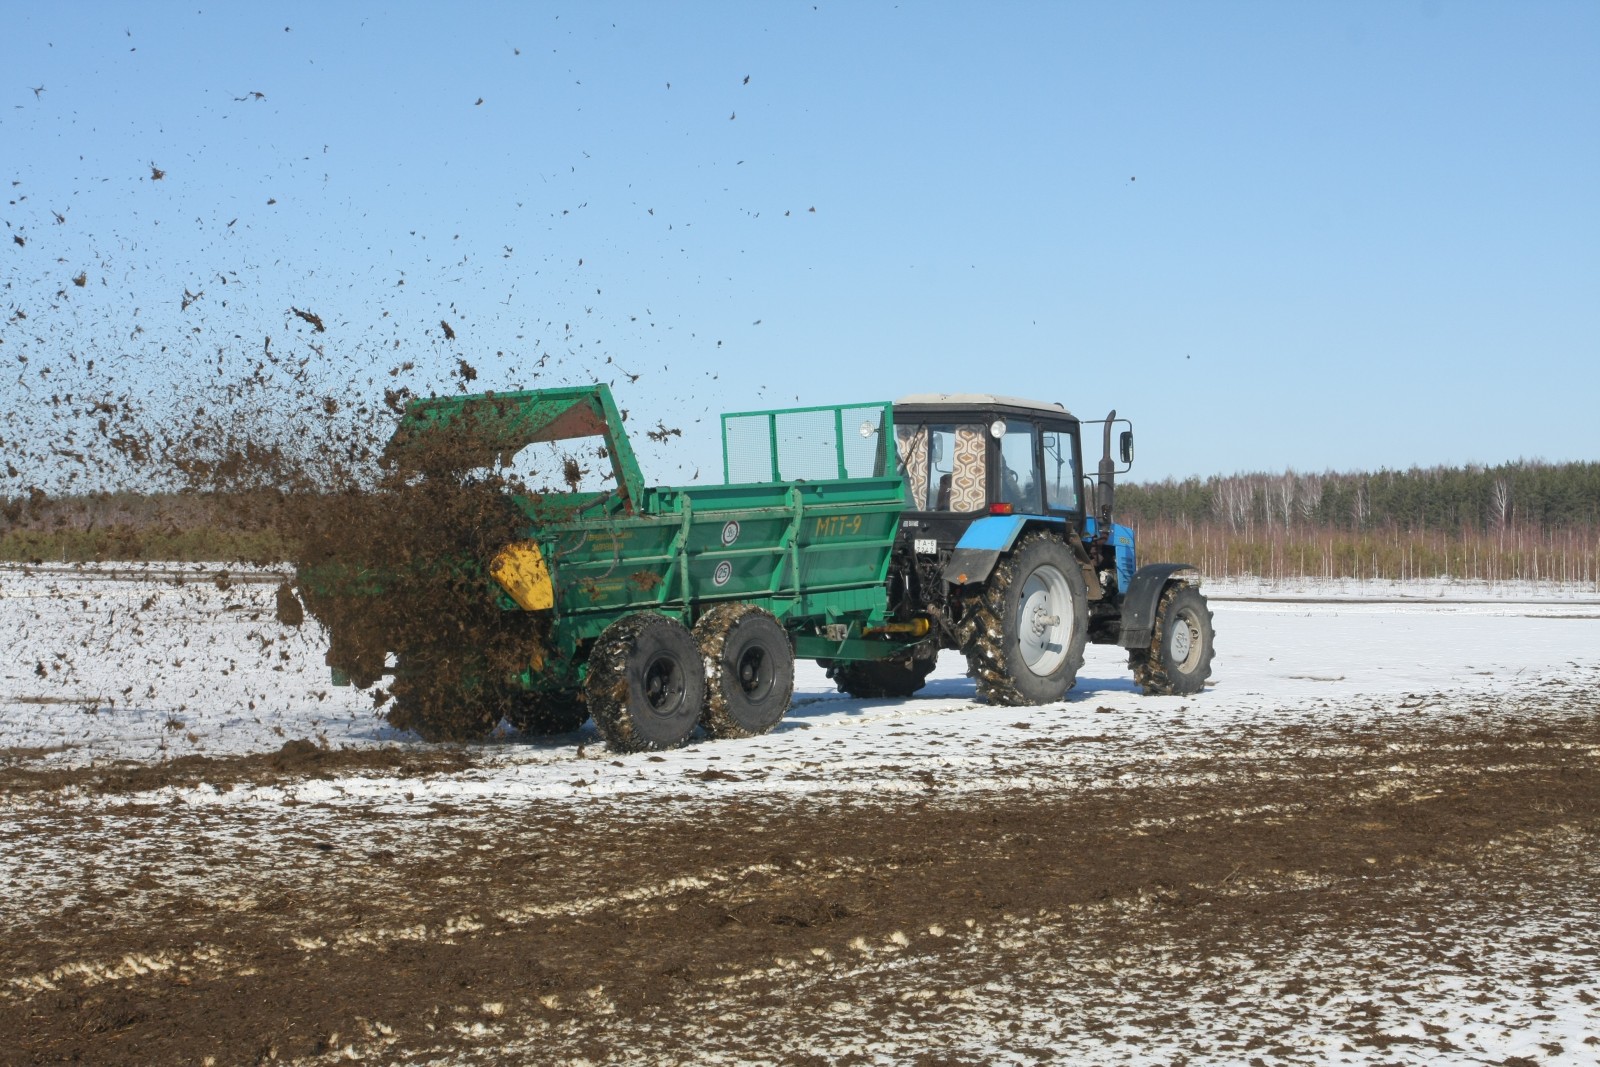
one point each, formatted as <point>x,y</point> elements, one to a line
<point>403,570</point>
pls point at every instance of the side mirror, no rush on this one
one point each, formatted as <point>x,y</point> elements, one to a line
<point>1125,446</point>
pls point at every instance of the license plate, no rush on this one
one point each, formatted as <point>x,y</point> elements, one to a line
<point>926,546</point>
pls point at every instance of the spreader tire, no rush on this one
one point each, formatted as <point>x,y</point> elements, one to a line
<point>646,684</point>
<point>749,666</point>
<point>1026,627</point>
<point>882,677</point>
<point>1178,661</point>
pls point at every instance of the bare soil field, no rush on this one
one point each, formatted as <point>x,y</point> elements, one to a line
<point>1152,916</point>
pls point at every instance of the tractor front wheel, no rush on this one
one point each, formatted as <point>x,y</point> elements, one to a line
<point>646,683</point>
<point>1178,661</point>
<point>1026,627</point>
<point>749,670</point>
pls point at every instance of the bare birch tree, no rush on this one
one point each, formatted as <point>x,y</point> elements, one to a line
<point>1310,496</point>
<point>1286,494</point>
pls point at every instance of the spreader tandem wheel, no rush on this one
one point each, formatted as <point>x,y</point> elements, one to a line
<point>646,683</point>
<point>1028,624</point>
<point>749,670</point>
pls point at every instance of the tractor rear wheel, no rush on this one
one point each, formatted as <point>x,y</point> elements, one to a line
<point>881,677</point>
<point>1026,627</point>
<point>1178,661</point>
<point>646,683</point>
<point>749,670</point>
<point>542,714</point>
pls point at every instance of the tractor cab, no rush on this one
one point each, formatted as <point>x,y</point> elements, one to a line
<point>980,469</point>
<point>965,456</point>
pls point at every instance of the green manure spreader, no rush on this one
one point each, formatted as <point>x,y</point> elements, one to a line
<point>653,609</point>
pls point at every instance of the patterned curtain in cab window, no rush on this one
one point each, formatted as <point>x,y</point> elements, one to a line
<point>943,467</point>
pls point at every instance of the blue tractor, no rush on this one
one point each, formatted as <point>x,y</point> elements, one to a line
<point>1007,553</point>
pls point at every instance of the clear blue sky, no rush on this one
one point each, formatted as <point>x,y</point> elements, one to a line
<point>1320,236</point>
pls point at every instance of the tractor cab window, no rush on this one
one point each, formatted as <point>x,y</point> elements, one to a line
<point>1019,468</point>
<point>1060,471</point>
<point>943,465</point>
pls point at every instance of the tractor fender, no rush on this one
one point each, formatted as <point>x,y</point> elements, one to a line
<point>985,541</point>
<point>1144,593</point>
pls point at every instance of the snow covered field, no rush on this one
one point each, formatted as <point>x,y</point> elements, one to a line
<point>102,667</point>
<point>1402,937</point>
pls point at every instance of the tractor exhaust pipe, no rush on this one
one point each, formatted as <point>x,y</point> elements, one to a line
<point>1108,476</point>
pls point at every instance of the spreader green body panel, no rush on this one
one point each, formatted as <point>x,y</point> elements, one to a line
<point>789,546</point>
<point>811,545</point>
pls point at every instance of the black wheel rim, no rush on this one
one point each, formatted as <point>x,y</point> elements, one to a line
<point>663,686</point>
<point>754,672</point>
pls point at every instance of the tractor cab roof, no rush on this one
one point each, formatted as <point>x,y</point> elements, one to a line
<point>971,401</point>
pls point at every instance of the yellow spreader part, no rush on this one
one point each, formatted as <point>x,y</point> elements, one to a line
<point>520,569</point>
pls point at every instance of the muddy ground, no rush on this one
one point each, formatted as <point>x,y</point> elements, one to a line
<point>1280,894</point>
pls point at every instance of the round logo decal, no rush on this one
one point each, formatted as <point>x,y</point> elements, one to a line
<point>730,533</point>
<point>723,572</point>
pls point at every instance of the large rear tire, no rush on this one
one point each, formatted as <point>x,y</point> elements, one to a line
<point>646,683</point>
<point>1026,627</point>
<point>1178,661</point>
<point>881,677</point>
<point>749,670</point>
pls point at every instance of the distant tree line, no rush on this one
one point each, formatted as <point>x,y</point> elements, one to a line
<point>165,527</point>
<point>1525,521</point>
<point>1535,495</point>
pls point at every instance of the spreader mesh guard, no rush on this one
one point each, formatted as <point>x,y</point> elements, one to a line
<point>806,444</point>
